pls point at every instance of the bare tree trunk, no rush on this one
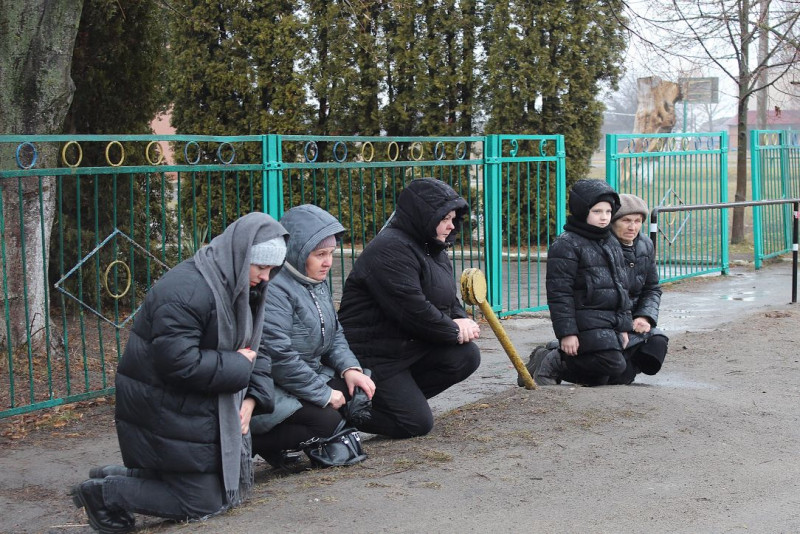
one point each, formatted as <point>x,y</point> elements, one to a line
<point>35,94</point>
<point>737,231</point>
<point>745,77</point>
<point>762,96</point>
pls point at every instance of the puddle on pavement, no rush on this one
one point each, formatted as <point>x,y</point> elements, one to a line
<point>673,380</point>
<point>744,296</point>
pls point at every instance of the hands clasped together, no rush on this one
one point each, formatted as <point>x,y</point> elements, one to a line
<point>467,330</point>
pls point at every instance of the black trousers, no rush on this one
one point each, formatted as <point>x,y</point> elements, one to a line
<point>400,405</point>
<point>178,496</point>
<point>310,421</point>
<point>644,357</point>
<point>593,368</point>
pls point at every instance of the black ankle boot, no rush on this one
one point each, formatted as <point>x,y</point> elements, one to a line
<point>109,471</point>
<point>89,496</point>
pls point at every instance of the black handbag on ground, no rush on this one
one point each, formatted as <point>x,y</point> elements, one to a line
<point>342,448</point>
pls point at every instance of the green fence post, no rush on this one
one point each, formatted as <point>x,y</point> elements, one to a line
<point>755,182</point>
<point>493,220</point>
<point>271,179</point>
<point>561,184</point>
<point>723,194</point>
<point>612,177</point>
<point>785,139</point>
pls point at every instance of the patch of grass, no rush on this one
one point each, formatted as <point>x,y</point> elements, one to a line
<point>437,456</point>
<point>403,463</point>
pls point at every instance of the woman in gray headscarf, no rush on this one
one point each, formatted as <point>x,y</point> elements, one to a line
<point>314,369</point>
<point>187,385</point>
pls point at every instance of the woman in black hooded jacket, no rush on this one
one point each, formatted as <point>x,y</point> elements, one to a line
<point>401,314</point>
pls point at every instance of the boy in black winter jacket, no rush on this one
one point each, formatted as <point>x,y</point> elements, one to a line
<point>589,305</point>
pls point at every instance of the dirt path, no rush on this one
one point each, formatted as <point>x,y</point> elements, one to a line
<point>711,446</point>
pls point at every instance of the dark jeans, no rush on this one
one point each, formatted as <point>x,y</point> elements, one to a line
<point>593,368</point>
<point>310,421</point>
<point>644,357</point>
<point>178,496</point>
<point>400,405</point>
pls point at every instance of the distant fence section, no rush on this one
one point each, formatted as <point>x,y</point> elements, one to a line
<point>775,174</point>
<point>674,170</point>
<point>89,223</point>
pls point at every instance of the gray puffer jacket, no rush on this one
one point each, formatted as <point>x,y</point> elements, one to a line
<point>303,359</point>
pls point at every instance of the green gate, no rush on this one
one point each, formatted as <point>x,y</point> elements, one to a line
<point>775,174</point>
<point>672,170</point>
<point>113,213</point>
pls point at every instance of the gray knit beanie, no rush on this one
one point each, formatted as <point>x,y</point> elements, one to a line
<point>630,204</point>
<point>270,252</point>
<point>328,242</point>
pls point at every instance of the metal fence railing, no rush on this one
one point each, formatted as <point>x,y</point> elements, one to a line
<point>792,203</point>
<point>88,223</point>
<point>674,170</point>
<point>775,174</point>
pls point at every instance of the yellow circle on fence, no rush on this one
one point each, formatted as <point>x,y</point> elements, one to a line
<point>396,151</point>
<point>671,217</point>
<point>121,153</point>
<point>118,296</point>
<point>158,149</point>
<point>64,154</point>
<point>371,151</point>
<point>416,145</point>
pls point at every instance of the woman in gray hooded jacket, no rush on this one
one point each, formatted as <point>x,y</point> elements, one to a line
<point>313,367</point>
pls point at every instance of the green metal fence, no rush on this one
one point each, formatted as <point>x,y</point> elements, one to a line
<point>112,213</point>
<point>775,174</point>
<point>674,170</point>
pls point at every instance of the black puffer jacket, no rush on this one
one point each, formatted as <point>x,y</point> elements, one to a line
<point>171,374</point>
<point>643,284</point>
<point>585,276</point>
<point>401,294</point>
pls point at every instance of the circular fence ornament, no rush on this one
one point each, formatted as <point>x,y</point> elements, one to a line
<point>396,151</point>
<point>310,147</point>
<point>461,150</point>
<point>128,278</point>
<point>439,150</point>
<point>339,158</point>
<point>194,145</point>
<point>220,149</point>
<point>364,147</point>
<point>415,151</point>
<point>64,154</point>
<point>121,153</point>
<point>34,155</point>
<point>156,146</point>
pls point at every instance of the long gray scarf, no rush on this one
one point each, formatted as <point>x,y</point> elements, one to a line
<point>225,266</point>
